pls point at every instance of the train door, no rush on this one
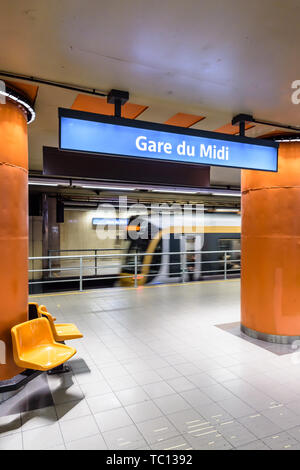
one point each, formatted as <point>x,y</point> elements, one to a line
<point>192,244</point>
<point>175,257</point>
<point>161,273</point>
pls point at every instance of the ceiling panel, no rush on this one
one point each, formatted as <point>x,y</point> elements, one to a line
<point>93,104</point>
<point>184,120</point>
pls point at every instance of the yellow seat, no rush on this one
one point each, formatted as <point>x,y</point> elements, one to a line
<point>43,309</point>
<point>61,331</point>
<point>34,346</point>
<point>32,310</point>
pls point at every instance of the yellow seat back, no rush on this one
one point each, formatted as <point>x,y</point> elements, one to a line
<point>33,310</point>
<point>30,335</point>
<point>43,313</point>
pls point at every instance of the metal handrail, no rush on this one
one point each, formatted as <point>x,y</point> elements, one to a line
<point>183,262</point>
<point>88,249</point>
<point>133,254</point>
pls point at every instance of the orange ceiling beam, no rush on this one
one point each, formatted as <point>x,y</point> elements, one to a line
<point>93,104</point>
<point>275,133</point>
<point>29,90</point>
<point>230,129</point>
<point>184,120</point>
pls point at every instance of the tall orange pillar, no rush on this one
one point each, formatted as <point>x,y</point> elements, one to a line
<point>270,279</point>
<point>13,228</point>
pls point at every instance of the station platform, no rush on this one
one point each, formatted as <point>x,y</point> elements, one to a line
<point>162,367</point>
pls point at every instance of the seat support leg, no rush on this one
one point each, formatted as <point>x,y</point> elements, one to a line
<point>62,369</point>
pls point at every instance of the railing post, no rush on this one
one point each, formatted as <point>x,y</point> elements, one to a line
<point>50,265</point>
<point>80,274</point>
<point>96,263</point>
<point>225,265</point>
<point>135,271</point>
<point>182,262</point>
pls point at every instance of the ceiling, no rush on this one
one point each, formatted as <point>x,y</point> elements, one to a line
<point>212,59</point>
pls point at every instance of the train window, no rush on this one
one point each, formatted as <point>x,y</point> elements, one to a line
<point>230,244</point>
<point>233,259</point>
<point>175,260</point>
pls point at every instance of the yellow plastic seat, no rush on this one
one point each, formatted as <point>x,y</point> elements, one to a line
<point>43,309</point>
<point>61,331</point>
<point>34,346</point>
<point>32,310</point>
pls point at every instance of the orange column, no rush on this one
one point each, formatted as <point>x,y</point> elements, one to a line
<point>13,228</point>
<point>270,280</point>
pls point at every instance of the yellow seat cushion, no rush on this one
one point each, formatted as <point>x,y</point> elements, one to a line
<point>65,331</point>
<point>34,346</point>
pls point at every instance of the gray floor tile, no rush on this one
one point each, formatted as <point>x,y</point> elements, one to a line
<point>177,444</point>
<point>217,393</point>
<point>259,425</point>
<point>112,419</point>
<point>37,418</point>
<point>64,395</point>
<point>187,421</point>
<point>88,377</point>
<point>236,434</point>
<point>158,389</point>
<point>95,389</point>
<point>143,411</point>
<point>121,383</point>
<point>221,375</point>
<point>171,404</point>
<point>42,437</point>
<point>126,438</point>
<point>187,368</point>
<point>157,430</point>
<point>11,442</point>
<point>202,380</point>
<point>256,445</point>
<point>214,413</point>
<point>208,439</point>
<point>168,373</point>
<point>162,347</point>
<point>147,377</point>
<point>79,428</point>
<point>282,441</point>
<point>181,384</point>
<point>10,424</point>
<point>72,410</point>
<point>196,398</point>
<point>236,407</point>
<point>282,417</point>
<point>295,432</point>
<point>103,403</point>
<point>89,443</point>
<point>132,396</point>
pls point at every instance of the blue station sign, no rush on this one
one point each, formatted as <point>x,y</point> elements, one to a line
<point>109,221</point>
<point>95,133</point>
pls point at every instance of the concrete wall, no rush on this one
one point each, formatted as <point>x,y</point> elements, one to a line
<point>78,232</point>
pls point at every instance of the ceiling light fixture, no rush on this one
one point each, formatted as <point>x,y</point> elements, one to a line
<point>225,209</point>
<point>47,182</point>
<point>292,139</point>
<point>14,96</point>
<point>173,191</point>
<point>229,194</point>
<point>110,188</point>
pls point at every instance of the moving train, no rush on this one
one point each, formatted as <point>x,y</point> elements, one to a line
<point>162,241</point>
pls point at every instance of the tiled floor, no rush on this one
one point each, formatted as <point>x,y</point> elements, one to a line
<point>155,372</point>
